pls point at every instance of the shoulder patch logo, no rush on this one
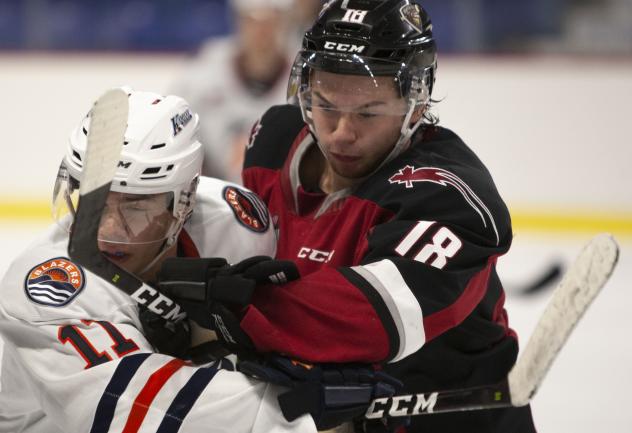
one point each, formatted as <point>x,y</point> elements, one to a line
<point>248,208</point>
<point>55,282</point>
<point>409,175</point>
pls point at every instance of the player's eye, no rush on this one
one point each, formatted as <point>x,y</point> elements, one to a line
<point>328,112</point>
<point>327,107</point>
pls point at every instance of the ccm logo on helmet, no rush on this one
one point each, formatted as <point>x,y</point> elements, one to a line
<point>345,48</point>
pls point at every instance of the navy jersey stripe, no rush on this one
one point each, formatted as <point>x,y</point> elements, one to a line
<point>118,383</point>
<point>185,399</point>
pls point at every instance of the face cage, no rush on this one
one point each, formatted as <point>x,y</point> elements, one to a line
<point>418,96</point>
<point>66,198</point>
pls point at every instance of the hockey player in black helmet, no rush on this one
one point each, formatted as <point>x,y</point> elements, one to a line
<point>388,44</point>
<point>394,223</point>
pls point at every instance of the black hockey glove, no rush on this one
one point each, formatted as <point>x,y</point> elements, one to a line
<point>167,337</point>
<point>331,393</point>
<point>213,293</point>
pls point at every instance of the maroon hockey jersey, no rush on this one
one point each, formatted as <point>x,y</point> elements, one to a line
<point>398,270</point>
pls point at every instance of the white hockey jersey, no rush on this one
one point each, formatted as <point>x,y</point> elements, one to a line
<point>227,108</point>
<point>75,359</point>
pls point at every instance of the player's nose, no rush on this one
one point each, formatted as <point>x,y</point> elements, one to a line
<point>345,131</point>
<point>111,228</point>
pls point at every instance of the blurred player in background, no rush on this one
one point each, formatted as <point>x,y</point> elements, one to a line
<point>75,357</point>
<point>304,13</point>
<point>233,79</point>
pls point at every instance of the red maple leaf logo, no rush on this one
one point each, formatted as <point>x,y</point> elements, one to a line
<point>410,174</point>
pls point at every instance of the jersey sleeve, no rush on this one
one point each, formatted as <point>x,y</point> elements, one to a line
<point>426,270</point>
<point>229,221</point>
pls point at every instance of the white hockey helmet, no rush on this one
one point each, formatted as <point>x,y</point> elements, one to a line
<point>161,154</point>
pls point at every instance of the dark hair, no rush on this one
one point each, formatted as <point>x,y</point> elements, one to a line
<point>429,118</point>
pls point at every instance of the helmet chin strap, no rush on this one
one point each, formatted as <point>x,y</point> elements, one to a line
<point>407,130</point>
<point>183,216</point>
<point>405,134</point>
<point>169,241</point>
<point>163,249</point>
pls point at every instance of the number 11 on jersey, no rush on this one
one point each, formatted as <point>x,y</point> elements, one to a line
<point>92,349</point>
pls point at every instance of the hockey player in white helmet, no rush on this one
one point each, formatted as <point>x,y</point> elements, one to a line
<point>154,192</point>
<point>75,357</point>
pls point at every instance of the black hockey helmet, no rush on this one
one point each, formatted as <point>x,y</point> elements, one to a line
<point>371,38</point>
<point>391,37</point>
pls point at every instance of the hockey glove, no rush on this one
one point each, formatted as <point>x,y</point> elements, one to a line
<point>213,293</point>
<point>167,337</point>
<point>331,393</point>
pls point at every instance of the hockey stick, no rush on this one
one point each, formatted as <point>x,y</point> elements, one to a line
<point>579,286</point>
<point>105,141</point>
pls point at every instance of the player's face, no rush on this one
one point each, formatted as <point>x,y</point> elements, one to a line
<point>260,30</point>
<point>357,121</point>
<point>134,227</point>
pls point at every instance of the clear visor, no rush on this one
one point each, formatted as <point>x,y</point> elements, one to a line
<point>350,83</point>
<point>126,218</point>
<point>65,198</point>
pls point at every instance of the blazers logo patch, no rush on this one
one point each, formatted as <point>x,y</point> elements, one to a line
<point>55,282</point>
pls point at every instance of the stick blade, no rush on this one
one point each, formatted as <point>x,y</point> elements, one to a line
<point>580,285</point>
<point>108,122</point>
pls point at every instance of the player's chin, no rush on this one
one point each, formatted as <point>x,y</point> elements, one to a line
<point>130,262</point>
<point>352,171</point>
